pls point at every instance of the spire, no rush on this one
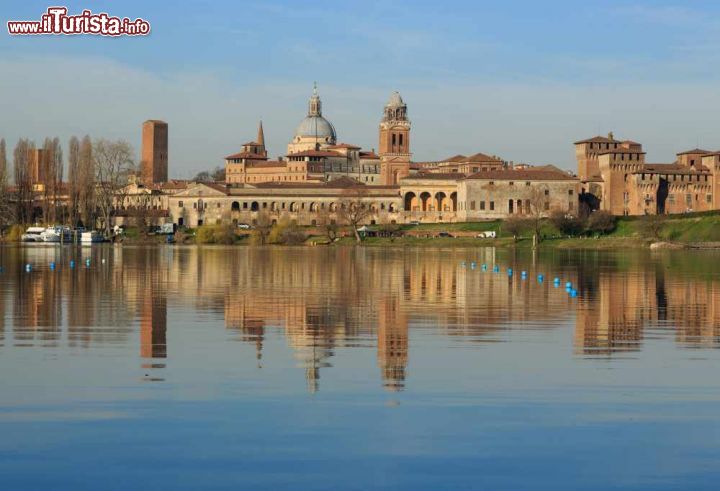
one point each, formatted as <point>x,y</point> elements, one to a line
<point>261,135</point>
<point>314,105</point>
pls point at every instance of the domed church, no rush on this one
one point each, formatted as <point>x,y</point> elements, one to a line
<point>314,132</point>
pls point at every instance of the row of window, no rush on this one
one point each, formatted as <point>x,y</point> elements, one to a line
<point>689,198</point>
<point>696,177</point>
<point>292,206</point>
<point>514,206</point>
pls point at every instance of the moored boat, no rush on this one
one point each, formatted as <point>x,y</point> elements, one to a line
<point>57,234</point>
<point>91,237</point>
<point>33,234</point>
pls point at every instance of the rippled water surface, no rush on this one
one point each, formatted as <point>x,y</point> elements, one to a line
<point>357,369</point>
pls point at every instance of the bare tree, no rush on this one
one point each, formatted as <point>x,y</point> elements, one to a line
<point>539,201</point>
<point>514,225</point>
<point>263,225</point>
<point>86,183</point>
<point>73,181</point>
<point>113,164</point>
<point>6,211</point>
<point>50,177</point>
<point>354,209</point>
<point>328,225</point>
<point>23,181</point>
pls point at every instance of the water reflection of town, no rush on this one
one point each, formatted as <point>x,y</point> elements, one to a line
<point>327,299</point>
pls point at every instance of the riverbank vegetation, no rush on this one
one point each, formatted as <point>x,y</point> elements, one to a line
<point>597,231</point>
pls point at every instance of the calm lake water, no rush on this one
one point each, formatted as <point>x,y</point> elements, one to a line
<point>358,369</point>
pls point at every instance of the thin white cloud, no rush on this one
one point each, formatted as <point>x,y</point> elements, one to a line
<point>210,116</point>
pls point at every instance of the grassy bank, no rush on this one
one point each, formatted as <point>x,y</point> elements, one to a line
<point>629,232</point>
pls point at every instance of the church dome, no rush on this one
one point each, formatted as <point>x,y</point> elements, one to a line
<point>395,100</point>
<point>316,127</point>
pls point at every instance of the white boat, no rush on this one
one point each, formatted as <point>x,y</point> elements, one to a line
<point>57,234</point>
<point>33,234</point>
<point>92,237</point>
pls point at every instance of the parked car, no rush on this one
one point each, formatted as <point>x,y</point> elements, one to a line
<point>244,226</point>
<point>488,234</point>
<point>414,222</point>
<point>444,234</point>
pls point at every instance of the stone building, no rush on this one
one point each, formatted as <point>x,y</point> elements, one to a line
<point>307,203</point>
<point>462,164</point>
<point>505,193</point>
<point>154,158</point>
<point>488,195</point>
<point>615,177</point>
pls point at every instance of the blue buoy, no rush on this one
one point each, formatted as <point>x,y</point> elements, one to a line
<point>72,263</point>
<point>2,269</point>
<point>52,266</point>
<point>556,280</point>
<point>87,263</point>
<point>28,267</point>
<point>573,293</point>
<point>496,269</point>
<point>568,285</point>
<point>540,278</point>
<point>484,267</point>
<point>510,270</point>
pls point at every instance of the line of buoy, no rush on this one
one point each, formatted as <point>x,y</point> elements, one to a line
<point>572,292</point>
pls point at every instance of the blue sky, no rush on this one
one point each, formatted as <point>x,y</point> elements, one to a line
<point>518,79</point>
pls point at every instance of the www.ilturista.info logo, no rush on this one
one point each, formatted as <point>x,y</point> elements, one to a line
<point>57,21</point>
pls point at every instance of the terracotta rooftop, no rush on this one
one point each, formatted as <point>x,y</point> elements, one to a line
<point>345,145</point>
<point>621,150</point>
<point>597,139</point>
<point>218,187</point>
<point>339,183</point>
<point>246,155</point>
<point>674,168</point>
<point>481,157</point>
<point>694,151</point>
<point>437,175</point>
<point>455,158</point>
<point>523,175</point>
<point>369,155</point>
<point>315,153</point>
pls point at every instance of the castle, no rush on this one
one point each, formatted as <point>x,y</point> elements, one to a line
<point>616,178</point>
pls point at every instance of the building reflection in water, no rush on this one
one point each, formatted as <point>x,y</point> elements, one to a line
<point>323,300</point>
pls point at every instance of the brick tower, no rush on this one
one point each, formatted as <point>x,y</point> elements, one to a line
<point>394,142</point>
<point>154,160</point>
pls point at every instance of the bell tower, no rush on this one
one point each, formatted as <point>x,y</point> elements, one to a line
<point>394,142</point>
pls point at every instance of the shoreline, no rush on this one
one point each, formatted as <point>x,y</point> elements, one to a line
<point>572,243</point>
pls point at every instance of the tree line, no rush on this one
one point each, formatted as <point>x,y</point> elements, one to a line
<point>35,191</point>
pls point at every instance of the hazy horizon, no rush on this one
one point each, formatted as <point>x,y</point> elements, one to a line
<point>518,80</point>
